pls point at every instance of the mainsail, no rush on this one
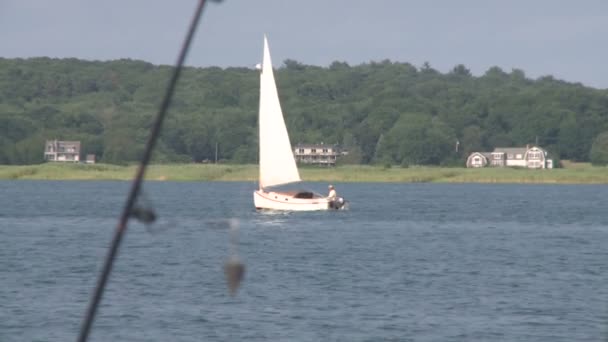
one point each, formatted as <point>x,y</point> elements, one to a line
<point>277,164</point>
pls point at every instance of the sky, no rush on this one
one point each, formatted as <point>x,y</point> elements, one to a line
<point>563,38</point>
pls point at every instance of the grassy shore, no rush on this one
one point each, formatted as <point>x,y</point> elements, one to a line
<point>573,174</point>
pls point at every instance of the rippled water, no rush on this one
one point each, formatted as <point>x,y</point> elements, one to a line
<point>407,262</point>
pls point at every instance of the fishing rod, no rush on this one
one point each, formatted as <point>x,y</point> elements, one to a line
<point>142,214</point>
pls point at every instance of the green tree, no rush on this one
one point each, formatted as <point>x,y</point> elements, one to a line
<point>380,111</point>
<point>471,141</point>
<point>599,150</point>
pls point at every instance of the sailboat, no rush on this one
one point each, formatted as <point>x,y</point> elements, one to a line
<point>277,163</point>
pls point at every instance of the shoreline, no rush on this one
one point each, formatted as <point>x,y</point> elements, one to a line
<point>583,174</point>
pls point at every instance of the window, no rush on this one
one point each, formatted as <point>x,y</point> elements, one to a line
<point>313,150</point>
<point>304,195</point>
<point>301,150</point>
<point>324,150</point>
<point>518,156</point>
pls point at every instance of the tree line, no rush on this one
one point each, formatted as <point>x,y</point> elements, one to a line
<point>384,112</point>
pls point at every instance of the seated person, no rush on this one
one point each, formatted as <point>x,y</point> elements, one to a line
<point>332,193</point>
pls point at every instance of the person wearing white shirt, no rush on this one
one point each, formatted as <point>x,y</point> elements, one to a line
<point>332,193</point>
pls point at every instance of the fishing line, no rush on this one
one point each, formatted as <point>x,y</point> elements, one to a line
<point>136,185</point>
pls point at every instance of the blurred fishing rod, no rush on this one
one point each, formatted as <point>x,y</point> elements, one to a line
<point>145,215</point>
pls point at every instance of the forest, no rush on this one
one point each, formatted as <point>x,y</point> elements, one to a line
<point>388,113</point>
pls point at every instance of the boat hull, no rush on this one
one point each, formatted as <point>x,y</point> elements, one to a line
<point>285,201</point>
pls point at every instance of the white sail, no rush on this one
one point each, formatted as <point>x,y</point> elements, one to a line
<point>277,164</point>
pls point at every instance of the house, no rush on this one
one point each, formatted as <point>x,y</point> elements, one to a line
<point>62,151</point>
<point>316,154</point>
<point>478,159</point>
<point>531,157</point>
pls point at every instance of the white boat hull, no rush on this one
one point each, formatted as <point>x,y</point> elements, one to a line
<point>286,201</point>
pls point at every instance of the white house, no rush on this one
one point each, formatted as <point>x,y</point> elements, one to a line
<point>531,157</point>
<point>62,151</point>
<point>316,154</point>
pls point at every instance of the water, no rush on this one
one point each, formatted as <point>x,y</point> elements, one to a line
<point>408,262</point>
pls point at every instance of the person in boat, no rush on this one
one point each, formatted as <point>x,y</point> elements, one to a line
<point>332,193</point>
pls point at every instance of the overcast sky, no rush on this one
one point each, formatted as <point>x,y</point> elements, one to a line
<point>567,39</point>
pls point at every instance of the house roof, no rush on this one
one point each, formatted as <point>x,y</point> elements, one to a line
<point>76,143</point>
<point>513,150</point>
<point>315,146</point>
<point>537,147</point>
<point>509,150</point>
<point>63,142</point>
<point>485,154</point>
